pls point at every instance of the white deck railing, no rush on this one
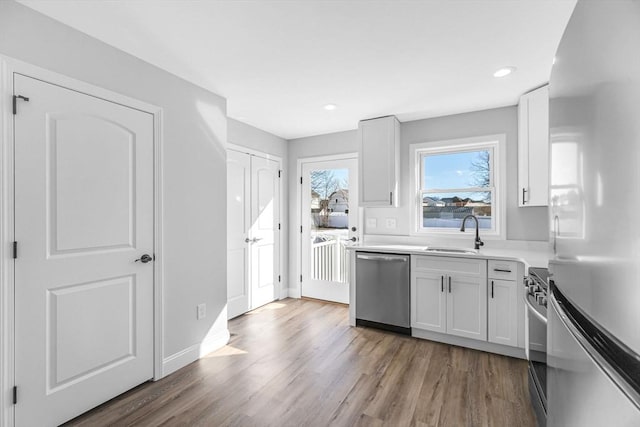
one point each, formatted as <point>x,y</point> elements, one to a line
<point>329,261</point>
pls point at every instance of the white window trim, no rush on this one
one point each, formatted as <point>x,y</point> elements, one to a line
<point>497,142</point>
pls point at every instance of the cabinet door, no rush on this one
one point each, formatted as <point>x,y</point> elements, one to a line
<point>503,318</point>
<point>428,301</point>
<point>467,306</point>
<point>523,149</point>
<point>378,157</point>
<point>533,148</point>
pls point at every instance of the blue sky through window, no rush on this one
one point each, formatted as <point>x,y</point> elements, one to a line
<point>451,170</point>
<point>342,175</point>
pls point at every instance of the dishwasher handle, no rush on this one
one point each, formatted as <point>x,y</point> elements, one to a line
<point>383,257</point>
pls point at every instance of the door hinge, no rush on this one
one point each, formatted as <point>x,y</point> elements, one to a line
<point>301,278</point>
<point>300,180</point>
<point>15,394</point>
<point>279,279</point>
<point>15,250</point>
<point>279,226</point>
<point>280,173</point>
<point>15,102</point>
<point>300,229</point>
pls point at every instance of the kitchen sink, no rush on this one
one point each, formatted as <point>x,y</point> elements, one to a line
<point>451,250</point>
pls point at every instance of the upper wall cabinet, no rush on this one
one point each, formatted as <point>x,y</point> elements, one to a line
<point>533,148</point>
<point>379,156</point>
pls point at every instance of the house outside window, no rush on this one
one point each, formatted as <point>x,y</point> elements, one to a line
<point>456,178</point>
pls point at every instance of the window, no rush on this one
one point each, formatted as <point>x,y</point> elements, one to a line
<point>455,179</point>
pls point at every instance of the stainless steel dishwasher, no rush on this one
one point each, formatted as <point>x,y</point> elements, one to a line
<point>382,291</point>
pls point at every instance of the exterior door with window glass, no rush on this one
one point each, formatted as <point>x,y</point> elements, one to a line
<point>329,224</point>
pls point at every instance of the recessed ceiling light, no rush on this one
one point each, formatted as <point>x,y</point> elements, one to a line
<point>330,107</point>
<point>505,71</point>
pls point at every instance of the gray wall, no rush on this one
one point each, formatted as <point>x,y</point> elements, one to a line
<point>194,137</point>
<point>239,133</point>
<point>245,135</point>
<point>522,223</point>
<point>528,223</point>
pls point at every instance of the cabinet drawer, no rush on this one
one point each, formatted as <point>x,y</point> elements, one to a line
<point>504,270</point>
<point>449,265</point>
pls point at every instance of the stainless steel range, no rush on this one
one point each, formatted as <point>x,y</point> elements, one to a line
<point>535,295</point>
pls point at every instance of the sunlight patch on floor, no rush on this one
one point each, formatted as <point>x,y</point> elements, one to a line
<point>227,350</point>
<point>270,306</point>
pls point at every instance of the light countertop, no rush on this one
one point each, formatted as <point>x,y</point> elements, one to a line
<point>529,257</point>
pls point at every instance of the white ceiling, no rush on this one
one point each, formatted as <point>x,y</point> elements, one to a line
<point>279,62</point>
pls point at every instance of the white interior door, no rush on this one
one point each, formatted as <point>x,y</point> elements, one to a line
<point>253,236</point>
<point>264,242</point>
<point>83,215</point>
<point>238,222</point>
<point>329,223</point>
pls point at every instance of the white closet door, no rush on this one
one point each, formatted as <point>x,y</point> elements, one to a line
<point>238,221</point>
<point>253,243</point>
<point>264,245</point>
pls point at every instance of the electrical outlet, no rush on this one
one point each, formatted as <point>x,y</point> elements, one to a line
<point>391,223</point>
<point>202,311</point>
<point>372,222</point>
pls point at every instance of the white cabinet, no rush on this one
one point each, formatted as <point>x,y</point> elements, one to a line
<point>448,295</point>
<point>533,148</point>
<point>467,306</point>
<point>379,156</point>
<point>503,303</point>
<point>429,301</point>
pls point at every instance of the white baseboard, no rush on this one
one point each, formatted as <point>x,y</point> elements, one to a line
<point>191,354</point>
<point>294,293</point>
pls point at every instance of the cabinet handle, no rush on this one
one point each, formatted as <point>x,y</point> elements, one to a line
<point>391,198</point>
<point>502,270</point>
<point>492,289</point>
<point>441,283</point>
<point>449,284</point>
<point>523,192</point>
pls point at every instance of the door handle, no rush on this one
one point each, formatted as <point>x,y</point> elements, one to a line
<point>353,239</point>
<point>144,259</point>
<point>256,239</point>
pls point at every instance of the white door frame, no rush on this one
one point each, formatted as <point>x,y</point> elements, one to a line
<point>281,289</point>
<point>298,251</point>
<point>9,66</point>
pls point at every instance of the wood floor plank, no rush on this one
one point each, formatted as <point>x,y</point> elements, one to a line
<point>299,363</point>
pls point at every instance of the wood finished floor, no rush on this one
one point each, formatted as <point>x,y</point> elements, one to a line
<point>298,363</point>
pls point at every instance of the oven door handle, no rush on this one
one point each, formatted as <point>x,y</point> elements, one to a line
<point>533,310</point>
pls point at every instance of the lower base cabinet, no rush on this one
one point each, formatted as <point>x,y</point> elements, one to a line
<point>467,307</point>
<point>448,295</point>
<point>503,314</point>
<point>429,301</point>
<point>466,297</point>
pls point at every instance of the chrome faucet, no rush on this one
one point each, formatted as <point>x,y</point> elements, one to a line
<point>477,242</point>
